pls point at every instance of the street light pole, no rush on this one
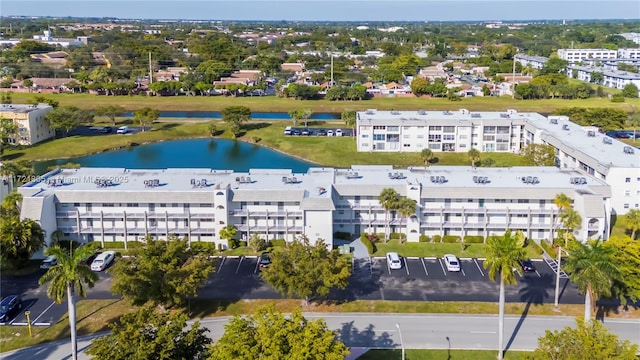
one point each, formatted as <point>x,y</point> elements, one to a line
<point>557,294</point>
<point>401,342</point>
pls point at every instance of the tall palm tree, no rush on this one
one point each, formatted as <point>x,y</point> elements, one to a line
<point>633,221</point>
<point>426,155</point>
<point>69,276</point>
<point>474,155</point>
<point>406,207</point>
<point>562,202</point>
<point>21,238</point>
<point>387,199</point>
<point>571,220</point>
<point>503,256</point>
<point>591,266</point>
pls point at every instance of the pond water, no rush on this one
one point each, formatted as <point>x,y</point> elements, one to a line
<point>219,154</point>
<point>254,115</point>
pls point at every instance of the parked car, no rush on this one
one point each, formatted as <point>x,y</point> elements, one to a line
<point>451,262</point>
<point>393,260</point>
<point>329,132</point>
<point>9,307</point>
<point>338,132</point>
<point>287,130</point>
<point>48,262</point>
<point>103,260</point>
<point>296,132</point>
<point>321,132</point>
<point>265,260</point>
<point>306,132</point>
<point>527,265</point>
<point>106,130</point>
<point>122,130</point>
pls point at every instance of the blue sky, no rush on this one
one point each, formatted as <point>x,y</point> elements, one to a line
<point>337,10</point>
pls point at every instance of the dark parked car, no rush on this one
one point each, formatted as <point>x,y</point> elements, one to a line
<point>265,260</point>
<point>527,265</point>
<point>296,132</point>
<point>306,132</point>
<point>321,133</point>
<point>9,307</point>
<point>106,130</point>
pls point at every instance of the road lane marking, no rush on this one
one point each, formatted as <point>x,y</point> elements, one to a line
<point>478,265</point>
<point>42,313</point>
<point>424,266</point>
<point>442,266</point>
<point>239,264</point>
<point>405,265</point>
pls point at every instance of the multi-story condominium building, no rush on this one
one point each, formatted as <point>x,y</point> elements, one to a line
<point>535,62</point>
<point>611,64</point>
<point>635,37</point>
<point>629,53</point>
<point>573,56</point>
<point>105,204</point>
<point>31,125</point>
<point>586,149</point>
<point>611,78</point>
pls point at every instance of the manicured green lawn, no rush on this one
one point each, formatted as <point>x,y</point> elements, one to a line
<point>411,249</point>
<point>428,354</point>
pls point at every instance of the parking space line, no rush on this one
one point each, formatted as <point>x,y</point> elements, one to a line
<point>370,266</point>
<point>478,265</point>
<point>442,266</point>
<point>255,271</point>
<point>239,264</point>
<point>221,264</point>
<point>405,265</point>
<point>388,267</point>
<point>42,313</point>
<point>538,273</point>
<point>424,266</point>
<point>462,270</point>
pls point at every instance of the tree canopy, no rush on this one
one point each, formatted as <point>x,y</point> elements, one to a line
<point>627,260</point>
<point>148,334</point>
<point>539,155</point>
<point>68,117</point>
<point>307,270</point>
<point>269,334</point>
<point>162,272</point>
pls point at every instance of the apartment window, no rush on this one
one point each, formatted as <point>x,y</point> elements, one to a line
<point>448,137</point>
<point>365,127</point>
<point>107,205</point>
<point>448,129</point>
<point>420,136</point>
<point>132,205</point>
<point>627,193</point>
<point>206,205</point>
<point>365,145</point>
<point>626,206</point>
<point>76,204</point>
<point>420,145</point>
<point>435,138</point>
<point>435,128</point>
<point>365,136</point>
<point>627,179</point>
<point>379,137</point>
<point>379,127</point>
<point>406,145</point>
<point>406,136</point>
<point>340,211</point>
<point>393,128</point>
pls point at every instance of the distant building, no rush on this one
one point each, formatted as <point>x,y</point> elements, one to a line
<point>535,62</point>
<point>32,126</point>
<point>635,37</point>
<point>573,56</point>
<point>611,78</point>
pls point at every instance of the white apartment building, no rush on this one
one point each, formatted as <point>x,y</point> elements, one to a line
<point>32,127</point>
<point>585,149</point>
<point>535,62</point>
<point>577,55</point>
<point>109,204</point>
<point>611,78</point>
<point>635,37</point>
<point>629,53</point>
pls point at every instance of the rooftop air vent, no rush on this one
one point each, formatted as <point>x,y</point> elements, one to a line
<point>504,116</point>
<point>447,112</point>
<point>607,140</point>
<point>554,121</point>
<point>628,150</point>
<point>476,115</point>
<point>395,112</point>
<point>565,127</point>
<point>591,133</point>
<point>422,112</point>
<point>370,111</point>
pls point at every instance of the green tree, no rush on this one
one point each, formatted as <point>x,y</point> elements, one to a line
<point>632,218</point>
<point>406,207</point>
<point>237,115</point>
<point>388,199</point>
<point>300,114</point>
<point>151,334</point>
<point>503,256</point>
<point>562,201</point>
<point>630,91</point>
<point>111,112</point>
<point>68,117</point>
<point>539,155</point>
<point>307,270</point>
<point>592,268</point>
<point>634,123</point>
<point>350,119</point>
<point>426,155</point>
<point>269,334</point>
<point>627,260</point>
<point>571,220</point>
<point>257,243</point>
<point>597,77</point>
<point>68,278</point>
<point>228,233</point>
<point>11,205</point>
<point>419,86</point>
<point>145,116</point>
<point>165,273</point>
<point>20,239</point>
<point>474,156</point>
<point>588,340</point>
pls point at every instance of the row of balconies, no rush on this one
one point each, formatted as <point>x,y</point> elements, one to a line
<point>132,215</point>
<point>264,213</point>
<point>136,230</point>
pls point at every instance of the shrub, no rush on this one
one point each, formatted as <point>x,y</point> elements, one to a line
<point>394,236</point>
<point>436,238</point>
<point>451,239</point>
<point>278,242</point>
<point>342,235</point>
<point>536,247</point>
<point>234,243</point>
<point>220,247</point>
<point>242,243</point>
<point>256,139</point>
<point>66,244</point>
<point>257,243</point>
<point>204,247</point>
<point>424,238</point>
<point>548,248</point>
<point>114,244</point>
<point>374,238</point>
<point>474,239</point>
<point>367,242</point>
<point>617,98</point>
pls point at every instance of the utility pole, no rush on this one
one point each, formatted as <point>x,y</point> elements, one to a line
<point>557,295</point>
<point>513,80</point>
<point>331,84</point>
<point>150,70</point>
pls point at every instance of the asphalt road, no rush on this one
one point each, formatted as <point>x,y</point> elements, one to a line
<point>418,331</point>
<point>420,279</point>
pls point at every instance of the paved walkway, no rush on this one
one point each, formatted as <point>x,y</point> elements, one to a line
<point>359,250</point>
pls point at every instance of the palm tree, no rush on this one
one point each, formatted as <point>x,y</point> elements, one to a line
<point>562,202</point>
<point>633,221</point>
<point>571,220</point>
<point>405,208</point>
<point>387,199</point>
<point>426,155</point>
<point>474,155</point>
<point>69,276</point>
<point>503,256</point>
<point>21,238</point>
<point>591,266</point>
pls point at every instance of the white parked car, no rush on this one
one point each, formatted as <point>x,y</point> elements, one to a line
<point>103,260</point>
<point>393,260</point>
<point>122,130</point>
<point>452,263</point>
<point>329,132</point>
<point>48,262</point>
<point>338,132</point>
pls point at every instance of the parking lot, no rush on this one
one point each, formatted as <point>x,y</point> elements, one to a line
<point>302,131</point>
